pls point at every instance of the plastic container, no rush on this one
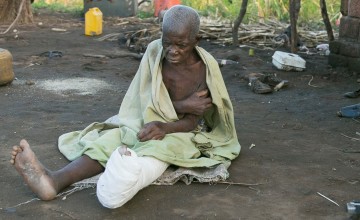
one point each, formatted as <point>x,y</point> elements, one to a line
<point>251,52</point>
<point>93,22</point>
<point>351,111</point>
<point>288,61</point>
<point>164,5</point>
<point>353,207</point>
<point>6,68</point>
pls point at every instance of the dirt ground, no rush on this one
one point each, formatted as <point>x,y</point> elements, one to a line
<point>300,147</point>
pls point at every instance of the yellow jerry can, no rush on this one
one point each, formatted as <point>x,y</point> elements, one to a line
<point>6,67</point>
<point>93,22</point>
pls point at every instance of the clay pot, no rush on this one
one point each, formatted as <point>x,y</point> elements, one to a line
<point>6,68</point>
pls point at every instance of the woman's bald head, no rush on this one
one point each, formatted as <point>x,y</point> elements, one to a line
<point>181,17</point>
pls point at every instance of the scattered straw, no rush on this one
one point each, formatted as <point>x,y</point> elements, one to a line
<point>356,120</point>
<point>63,195</point>
<point>352,138</point>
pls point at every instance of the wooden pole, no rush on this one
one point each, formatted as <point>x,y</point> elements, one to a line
<point>294,13</point>
<point>238,21</point>
<point>327,23</point>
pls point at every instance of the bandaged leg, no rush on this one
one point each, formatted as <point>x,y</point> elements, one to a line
<point>125,175</point>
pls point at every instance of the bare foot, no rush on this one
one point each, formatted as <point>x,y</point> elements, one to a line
<point>34,173</point>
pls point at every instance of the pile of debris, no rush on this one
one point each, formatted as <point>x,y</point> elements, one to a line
<point>267,35</point>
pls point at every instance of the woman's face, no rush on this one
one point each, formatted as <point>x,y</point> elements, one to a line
<point>178,46</point>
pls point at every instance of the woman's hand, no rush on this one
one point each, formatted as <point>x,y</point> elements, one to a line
<point>157,130</point>
<point>154,130</point>
<point>197,103</point>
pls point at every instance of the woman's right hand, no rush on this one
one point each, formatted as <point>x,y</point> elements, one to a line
<point>197,103</point>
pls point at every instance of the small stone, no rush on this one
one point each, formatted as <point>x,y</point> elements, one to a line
<point>358,80</point>
<point>29,82</point>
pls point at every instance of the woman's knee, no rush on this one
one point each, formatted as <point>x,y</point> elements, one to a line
<point>124,176</point>
<point>120,181</point>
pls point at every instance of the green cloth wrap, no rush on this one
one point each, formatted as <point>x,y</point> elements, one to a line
<point>146,100</point>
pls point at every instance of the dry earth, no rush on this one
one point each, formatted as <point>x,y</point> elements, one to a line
<point>300,147</point>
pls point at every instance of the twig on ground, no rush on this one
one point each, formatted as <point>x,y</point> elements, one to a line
<point>309,83</point>
<point>58,29</point>
<point>115,55</point>
<point>209,34</point>
<point>257,190</point>
<point>64,194</point>
<point>23,203</point>
<point>328,198</point>
<point>356,120</point>
<point>94,55</point>
<point>125,54</point>
<point>351,151</point>
<point>112,35</point>
<point>352,138</point>
<point>122,23</point>
<point>240,184</point>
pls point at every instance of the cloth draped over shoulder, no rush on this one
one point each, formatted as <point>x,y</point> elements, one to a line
<point>147,100</point>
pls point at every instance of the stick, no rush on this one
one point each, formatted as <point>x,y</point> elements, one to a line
<point>252,188</point>
<point>58,29</point>
<point>108,36</point>
<point>207,33</point>
<point>125,54</point>
<point>309,83</point>
<point>327,198</point>
<point>356,120</point>
<point>352,138</point>
<point>122,23</point>
<point>240,184</point>
<point>327,23</point>
<point>351,151</point>
<point>23,203</point>
<point>232,183</point>
<point>94,55</point>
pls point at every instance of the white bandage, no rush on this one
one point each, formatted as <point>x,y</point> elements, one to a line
<point>125,175</point>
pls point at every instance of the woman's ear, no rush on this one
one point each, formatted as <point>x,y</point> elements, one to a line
<point>198,38</point>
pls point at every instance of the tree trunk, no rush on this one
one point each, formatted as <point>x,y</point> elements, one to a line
<point>238,21</point>
<point>9,10</point>
<point>294,14</point>
<point>261,13</point>
<point>327,23</point>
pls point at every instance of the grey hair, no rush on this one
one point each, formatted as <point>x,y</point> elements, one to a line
<point>180,16</point>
